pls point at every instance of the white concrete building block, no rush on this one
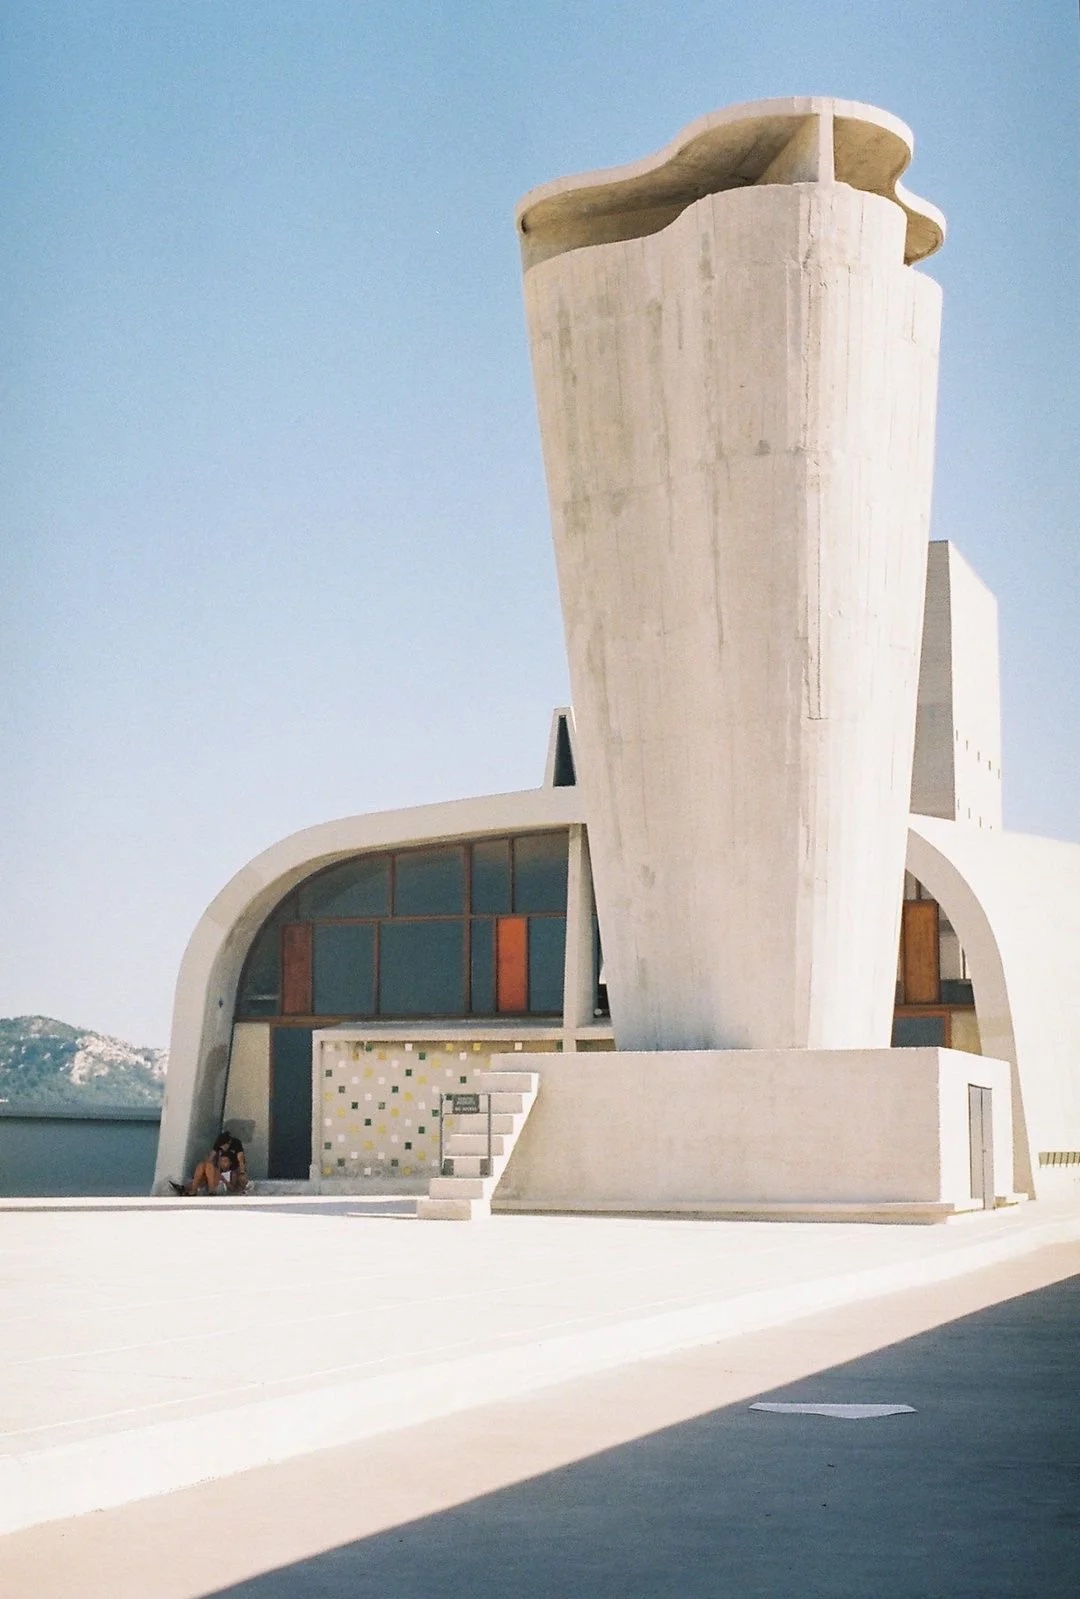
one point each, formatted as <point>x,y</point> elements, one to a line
<point>957,766</point>
<point>718,1130</point>
<point>737,409</point>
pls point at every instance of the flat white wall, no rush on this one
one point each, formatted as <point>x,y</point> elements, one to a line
<point>956,772</point>
<point>976,696</point>
<point>656,1129</point>
<point>247,1095</point>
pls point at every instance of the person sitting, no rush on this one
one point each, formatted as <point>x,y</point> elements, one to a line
<point>224,1171</point>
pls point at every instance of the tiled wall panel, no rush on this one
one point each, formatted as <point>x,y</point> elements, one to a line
<point>380,1101</point>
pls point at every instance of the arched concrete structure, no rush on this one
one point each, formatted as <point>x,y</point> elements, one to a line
<point>213,961</point>
<point>1015,904</point>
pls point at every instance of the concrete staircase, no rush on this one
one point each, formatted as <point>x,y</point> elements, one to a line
<point>466,1194</point>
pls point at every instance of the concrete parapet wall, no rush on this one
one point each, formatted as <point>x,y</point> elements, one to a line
<point>76,1152</point>
<point>656,1130</point>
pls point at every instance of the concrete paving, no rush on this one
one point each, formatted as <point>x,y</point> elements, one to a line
<point>136,1337</point>
<point>657,1481</point>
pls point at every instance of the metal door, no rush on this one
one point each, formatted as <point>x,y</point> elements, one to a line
<point>981,1142</point>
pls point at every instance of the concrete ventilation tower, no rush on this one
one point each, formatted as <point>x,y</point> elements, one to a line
<point>736,371</point>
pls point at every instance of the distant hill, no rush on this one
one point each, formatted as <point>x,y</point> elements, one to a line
<point>46,1062</point>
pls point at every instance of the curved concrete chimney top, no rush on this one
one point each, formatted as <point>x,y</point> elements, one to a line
<point>799,139</point>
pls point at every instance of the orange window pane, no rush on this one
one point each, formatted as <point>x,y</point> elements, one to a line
<point>511,953</point>
<point>921,961</point>
<point>296,969</point>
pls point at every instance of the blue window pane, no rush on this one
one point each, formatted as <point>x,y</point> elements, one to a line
<point>429,882</point>
<point>483,968</point>
<point>491,876</point>
<point>547,952</point>
<point>344,969</point>
<point>260,988</point>
<point>422,969</point>
<point>540,872</point>
<point>918,1032</point>
<point>355,888</point>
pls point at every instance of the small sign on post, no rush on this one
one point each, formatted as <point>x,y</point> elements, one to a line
<point>463,1105</point>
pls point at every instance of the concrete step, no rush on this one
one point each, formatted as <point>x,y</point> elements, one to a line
<point>514,1103</point>
<point>508,1082</point>
<point>501,1103</point>
<point>476,1144</point>
<point>465,1195</point>
<point>431,1209</point>
<point>461,1187</point>
<point>470,1165</point>
<point>501,1122</point>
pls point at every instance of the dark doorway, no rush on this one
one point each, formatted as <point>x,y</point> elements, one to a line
<point>290,1102</point>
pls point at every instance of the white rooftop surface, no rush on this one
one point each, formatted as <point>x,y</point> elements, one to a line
<point>145,1346</point>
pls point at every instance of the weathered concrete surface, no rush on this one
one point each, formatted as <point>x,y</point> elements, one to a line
<point>658,1482</point>
<point>737,413</point>
<point>144,1350</point>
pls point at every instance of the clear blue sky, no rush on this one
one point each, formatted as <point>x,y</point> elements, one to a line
<point>273,521</point>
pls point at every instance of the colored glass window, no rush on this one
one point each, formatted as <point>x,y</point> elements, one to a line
<point>547,954</point>
<point>540,861</point>
<point>260,990</point>
<point>296,969</point>
<point>918,1032</point>
<point>344,969</point>
<point>482,959</point>
<point>422,968</point>
<point>491,876</point>
<point>511,942</point>
<point>355,888</point>
<point>429,882</point>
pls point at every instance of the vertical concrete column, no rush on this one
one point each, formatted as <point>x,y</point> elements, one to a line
<point>578,986</point>
<point>736,393</point>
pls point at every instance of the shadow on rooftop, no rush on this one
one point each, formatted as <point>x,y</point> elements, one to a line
<point>975,1496</point>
